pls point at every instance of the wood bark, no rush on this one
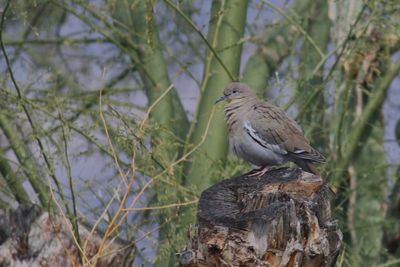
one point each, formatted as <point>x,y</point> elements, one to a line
<point>280,219</point>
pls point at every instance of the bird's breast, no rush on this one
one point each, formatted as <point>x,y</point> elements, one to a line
<point>246,148</point>
<point>232,116</point>
<point>241,143</point>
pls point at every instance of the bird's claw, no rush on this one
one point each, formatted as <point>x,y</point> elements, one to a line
<point>259,172</point>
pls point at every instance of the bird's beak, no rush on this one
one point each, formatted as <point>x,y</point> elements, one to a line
<point>221,98</point>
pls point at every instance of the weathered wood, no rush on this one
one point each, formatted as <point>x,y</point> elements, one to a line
<point>29,236</point>
<point>281,219</point>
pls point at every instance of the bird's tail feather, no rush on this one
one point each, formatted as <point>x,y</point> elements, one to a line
<point>313,155</point>
<point>307,166</point>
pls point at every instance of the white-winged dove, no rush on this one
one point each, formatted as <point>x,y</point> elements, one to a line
<point>264,134</point>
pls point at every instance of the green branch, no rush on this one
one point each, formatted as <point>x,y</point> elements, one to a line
<point>375,102</point>
<point>298,26</point>
<point>62,41</point>
<point>43,194</point>
<point>204,38</point>
<point>29,167</point>
<point>13,182</point>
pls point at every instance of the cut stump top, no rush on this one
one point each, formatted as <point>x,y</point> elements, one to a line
<point>280,219</point>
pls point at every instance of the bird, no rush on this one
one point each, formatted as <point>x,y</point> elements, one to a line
<point>263,134</point>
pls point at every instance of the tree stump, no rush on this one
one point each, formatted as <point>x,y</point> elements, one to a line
<point>280,219</point>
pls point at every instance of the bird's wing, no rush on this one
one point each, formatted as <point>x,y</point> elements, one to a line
<point>270,127</point>
<point>267,139</point>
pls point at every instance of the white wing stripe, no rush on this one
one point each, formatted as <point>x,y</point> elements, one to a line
<point>253,134</point>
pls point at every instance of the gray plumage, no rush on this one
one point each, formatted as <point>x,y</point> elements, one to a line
<point>263,134</point>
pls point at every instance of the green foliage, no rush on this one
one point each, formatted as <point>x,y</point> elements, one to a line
<point>124,107</point>
<point>397,131</point>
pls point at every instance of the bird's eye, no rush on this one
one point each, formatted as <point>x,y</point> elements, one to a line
<point>234,92</point>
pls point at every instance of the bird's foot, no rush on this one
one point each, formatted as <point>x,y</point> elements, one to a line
<point>259,172</point>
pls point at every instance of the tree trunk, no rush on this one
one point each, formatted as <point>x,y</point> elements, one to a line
<point>226,28</point>
<point>281,219</point>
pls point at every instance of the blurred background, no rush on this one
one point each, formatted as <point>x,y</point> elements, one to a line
<point>109,106</point>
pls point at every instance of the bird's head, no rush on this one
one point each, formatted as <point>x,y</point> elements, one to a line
<point>236,91</point>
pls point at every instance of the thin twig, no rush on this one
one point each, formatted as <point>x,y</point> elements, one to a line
<point>62,214</point>
<point>143,189</point>
<point>146,116</point>
<point>73,220</point>
<point>196,29</point>
<point>347,39</point>
<point>113,223</point>
<point>293,22</point>
<point>30,120</point>
<point>62,41</point>
<point>320,64</point>
<point>174,205</point>
<point>116,158</point>
<point>376,100</point>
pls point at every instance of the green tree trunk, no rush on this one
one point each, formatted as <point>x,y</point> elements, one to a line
<point>226,27</point>
<point>262,65</point>
<point>360,166</point>
<point>147,56</point>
